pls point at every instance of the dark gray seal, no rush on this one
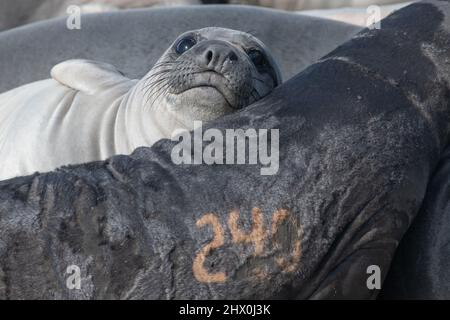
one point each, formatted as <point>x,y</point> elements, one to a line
<point>420,269</point>
<point>356,156</point>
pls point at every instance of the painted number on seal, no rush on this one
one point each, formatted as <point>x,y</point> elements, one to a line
<point>257,238</point>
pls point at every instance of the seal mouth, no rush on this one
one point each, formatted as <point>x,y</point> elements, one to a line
<point>212,87</point>
<point>214,80</point>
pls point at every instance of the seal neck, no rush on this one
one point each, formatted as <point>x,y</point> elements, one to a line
<point>137,122</point>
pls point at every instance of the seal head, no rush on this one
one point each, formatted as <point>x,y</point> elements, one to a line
<point>205,74</point>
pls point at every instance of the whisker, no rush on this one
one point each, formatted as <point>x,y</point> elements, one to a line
<point>157,73</point>
<point>155,81</point>
<point>159,90</point>
<point>150,91</point>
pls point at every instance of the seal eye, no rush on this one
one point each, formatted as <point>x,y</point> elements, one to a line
<point>257,57</point>
<point>185,44</point>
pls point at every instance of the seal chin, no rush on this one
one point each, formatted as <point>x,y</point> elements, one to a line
<point>204,103</point>
<point>212,81</point>
<point>213,92</point>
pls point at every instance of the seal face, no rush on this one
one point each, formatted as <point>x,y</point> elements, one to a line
<point>89,111</point>
<point>211,72</point>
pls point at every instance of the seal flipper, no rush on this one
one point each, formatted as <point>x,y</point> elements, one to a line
<point>86,75</point>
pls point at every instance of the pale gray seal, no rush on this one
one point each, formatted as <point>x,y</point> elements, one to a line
<point>15,13</point>
<point>363,17</point>
<point>89,111</point>
<point>314,4</point>
<point>133,40</point>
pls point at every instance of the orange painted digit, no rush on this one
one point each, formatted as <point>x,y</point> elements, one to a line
<point>278,217</point>
<point>287,264</point>
<point>256,236</point>
<point>200,273</point>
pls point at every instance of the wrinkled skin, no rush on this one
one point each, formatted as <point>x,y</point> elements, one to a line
<point>420,269</point>
<point>204,83</point>
<point>354,167</point>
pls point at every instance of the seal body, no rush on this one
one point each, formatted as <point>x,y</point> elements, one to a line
<point>70,127</point>
<point>89,111</point>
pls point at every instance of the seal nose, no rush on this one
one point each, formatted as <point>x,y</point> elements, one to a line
<point>214,55</point>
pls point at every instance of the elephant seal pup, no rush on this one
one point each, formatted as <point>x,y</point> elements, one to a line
<point>89,111</point>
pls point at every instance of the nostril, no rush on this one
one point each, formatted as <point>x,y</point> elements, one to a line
<point>209,56</point>
<point>232,56</point>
